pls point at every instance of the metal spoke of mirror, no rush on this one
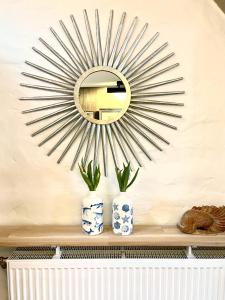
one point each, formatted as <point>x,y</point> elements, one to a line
<point>102,95</point>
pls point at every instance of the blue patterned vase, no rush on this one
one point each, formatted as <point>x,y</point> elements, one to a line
<point>122,215</point>
<point>92,214</point>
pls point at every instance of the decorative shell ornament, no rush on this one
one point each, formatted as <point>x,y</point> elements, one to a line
<point>203,219</point>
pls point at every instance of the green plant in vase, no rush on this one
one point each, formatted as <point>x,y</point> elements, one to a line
<point>123,177</point>
<point>91,174</point>
<point>92,205</point>
<point>122,207</point>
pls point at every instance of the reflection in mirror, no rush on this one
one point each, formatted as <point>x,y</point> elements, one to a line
<point>103,97</point>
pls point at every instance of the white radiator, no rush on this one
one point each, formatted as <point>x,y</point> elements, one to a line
<point>117,274</point>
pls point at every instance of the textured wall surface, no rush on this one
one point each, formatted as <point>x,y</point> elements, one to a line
<point>34,189</point>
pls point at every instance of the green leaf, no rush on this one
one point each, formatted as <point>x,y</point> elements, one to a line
<point>119,177</point>
<point>89,171</point>
<point>83,165</point>
<point>133,179</point>
<point>81,169</point>
<point>88,182</point>
<point>97,175</point>
<point>125,177</point>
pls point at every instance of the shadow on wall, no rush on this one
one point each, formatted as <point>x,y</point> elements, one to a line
<point>221,4</point>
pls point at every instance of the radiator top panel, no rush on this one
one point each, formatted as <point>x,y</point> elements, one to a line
<point>107,252</point>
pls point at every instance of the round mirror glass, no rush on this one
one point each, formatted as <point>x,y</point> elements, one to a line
<point>103,97</point>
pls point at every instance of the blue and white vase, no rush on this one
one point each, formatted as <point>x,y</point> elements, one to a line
<point>122,214</point>
<point>92,214</point>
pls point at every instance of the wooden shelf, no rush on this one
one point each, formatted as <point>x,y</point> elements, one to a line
<point>27,236</point>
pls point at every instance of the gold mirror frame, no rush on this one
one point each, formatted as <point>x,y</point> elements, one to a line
<point>130,60</point>
<point>92,71</point>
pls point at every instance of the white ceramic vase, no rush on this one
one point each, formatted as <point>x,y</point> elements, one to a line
<point>122,214</point>
<point>92,214</point>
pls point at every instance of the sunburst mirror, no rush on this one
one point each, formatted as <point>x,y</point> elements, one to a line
<point>102,95</point>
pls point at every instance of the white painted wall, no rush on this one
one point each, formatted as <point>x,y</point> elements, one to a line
<point>191,171</point>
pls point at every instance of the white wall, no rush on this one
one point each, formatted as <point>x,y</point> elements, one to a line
<point>191,171</point>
